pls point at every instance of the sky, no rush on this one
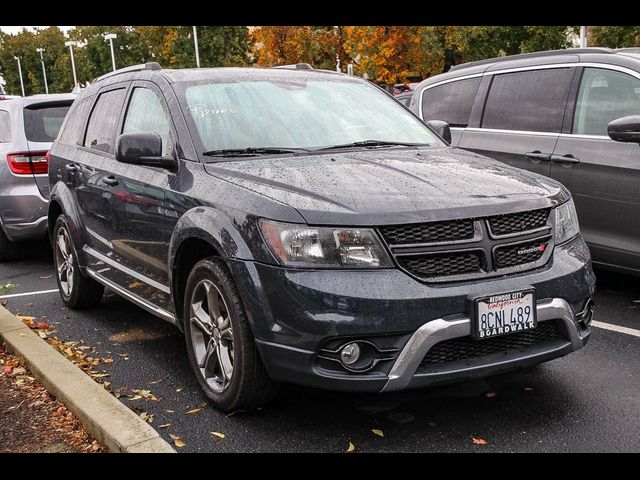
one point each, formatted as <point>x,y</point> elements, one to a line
<point>15,29</point>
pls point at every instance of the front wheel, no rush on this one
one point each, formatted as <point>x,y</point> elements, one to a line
<point>76,290</point>
<point>220,345</point>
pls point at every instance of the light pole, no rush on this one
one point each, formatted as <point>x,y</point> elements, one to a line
<point>20,71</point>
<point>583,37</point>
<point>44,72</point>
<point>110,37</point>
<point>195,41</point>
<point>71,44</point>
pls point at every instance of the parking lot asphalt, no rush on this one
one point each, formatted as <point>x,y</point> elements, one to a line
<point>585,402</point>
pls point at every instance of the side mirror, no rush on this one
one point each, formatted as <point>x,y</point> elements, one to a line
<point>142,148</point>
<point>625,129</point>
<point>442,129</point>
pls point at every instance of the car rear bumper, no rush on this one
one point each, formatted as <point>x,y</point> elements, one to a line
<point>302,318</point>
<point>23,211</point>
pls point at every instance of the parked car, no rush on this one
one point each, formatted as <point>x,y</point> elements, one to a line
<point>405,98</point>
<point>572,115</point>
<point>301,226</point>
<point>27,128</point>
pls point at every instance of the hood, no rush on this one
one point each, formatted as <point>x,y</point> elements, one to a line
<point>391,185</point>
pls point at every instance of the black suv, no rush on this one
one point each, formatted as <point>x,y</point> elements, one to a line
<point>302,226</point>
<point>573,115</point>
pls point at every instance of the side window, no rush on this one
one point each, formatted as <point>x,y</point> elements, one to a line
<point>604,96</point>
<point>532,100</point>
<point>103,121</point>
<point>145,114</point>
<point>450,102</point>
<point>72,130</point>
<point>5,126</point>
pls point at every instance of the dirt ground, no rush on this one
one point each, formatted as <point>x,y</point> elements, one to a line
<point>32,420</point>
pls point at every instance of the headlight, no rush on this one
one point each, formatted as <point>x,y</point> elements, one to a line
<point>329,247</point>
<point>566,222</point>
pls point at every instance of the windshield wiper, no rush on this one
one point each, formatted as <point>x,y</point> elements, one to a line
<point>374,143</point>
<point>251,151</point>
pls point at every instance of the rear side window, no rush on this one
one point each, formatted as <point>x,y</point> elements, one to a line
<point>532,100</point>
<point>73,127</point>
<point>103,121</point>
<point>605,95</point>
<point>42,122</point>
<point>5,126</point>
<point>450,102</point>
<point>145,114</point>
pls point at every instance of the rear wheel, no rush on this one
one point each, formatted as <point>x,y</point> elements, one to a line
<point>8,249</point>
<point>76,290</point>
<point>221,349</point>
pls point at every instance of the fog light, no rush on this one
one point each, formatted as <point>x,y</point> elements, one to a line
<point>350,353</point>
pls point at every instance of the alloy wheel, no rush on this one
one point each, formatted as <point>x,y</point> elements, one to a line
<point>64,261</point>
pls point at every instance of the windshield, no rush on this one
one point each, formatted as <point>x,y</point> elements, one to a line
<point>297,113</point>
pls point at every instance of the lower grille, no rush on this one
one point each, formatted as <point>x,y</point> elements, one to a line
<point>511,255</point>
<point>450,263</point>
<point>467,347</point>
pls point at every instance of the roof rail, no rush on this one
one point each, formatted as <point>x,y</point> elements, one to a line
<point>296,66</point>
<point>132,68</point>
<point>548,53</point>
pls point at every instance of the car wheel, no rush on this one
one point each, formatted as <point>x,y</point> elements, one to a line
<point>8,249</point>
<point>76,290</point>
<point>220,345</point>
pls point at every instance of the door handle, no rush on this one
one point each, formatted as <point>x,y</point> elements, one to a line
<point>110,180</point>
<point>71,167</point>
<point>538,156</point>
<point>567,159</point>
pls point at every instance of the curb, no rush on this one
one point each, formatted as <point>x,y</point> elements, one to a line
<point>110,422</point>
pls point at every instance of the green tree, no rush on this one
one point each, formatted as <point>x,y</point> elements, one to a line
<point>220,46</point>
<point>615,37</point>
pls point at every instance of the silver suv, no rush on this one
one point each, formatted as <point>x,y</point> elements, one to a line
<point>28,126</point>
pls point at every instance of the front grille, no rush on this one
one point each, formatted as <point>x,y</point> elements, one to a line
<point>467,347</point>
<point>444,264</point>
<point>518,222</point>
<point>450,231</point>
<point>519,254</point>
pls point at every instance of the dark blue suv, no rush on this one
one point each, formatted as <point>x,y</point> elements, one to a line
<point>302,226</point>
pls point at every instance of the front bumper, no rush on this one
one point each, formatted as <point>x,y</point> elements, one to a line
<point>298,316</point>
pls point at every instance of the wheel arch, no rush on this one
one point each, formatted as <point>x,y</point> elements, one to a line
<point>61,201</point>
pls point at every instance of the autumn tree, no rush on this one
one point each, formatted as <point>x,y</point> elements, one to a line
<point>315,45</point>
<point>615,37</point>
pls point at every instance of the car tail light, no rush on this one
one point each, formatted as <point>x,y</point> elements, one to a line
<point>27,163</point>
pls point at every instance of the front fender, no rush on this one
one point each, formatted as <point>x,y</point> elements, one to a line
<point>62,197</point>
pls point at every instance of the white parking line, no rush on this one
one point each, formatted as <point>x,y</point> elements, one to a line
<point>25,294</point>
<point>617,328</point>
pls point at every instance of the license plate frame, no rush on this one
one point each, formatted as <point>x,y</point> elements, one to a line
<point>508,326</point>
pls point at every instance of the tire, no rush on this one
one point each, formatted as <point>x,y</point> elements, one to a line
<point>76,290</point>
<point>223,346</point>
<point>8,249</point>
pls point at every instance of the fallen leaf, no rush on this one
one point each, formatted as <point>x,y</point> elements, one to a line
<point>44,277</point>
<point>479,441</point>
<point>179,443</point>
<point>135,285</point>
<point>174,437</point>
<point>491,394</point>
<point>193,410</point>
<point>135,397</point>
<point>107,360</point>
<point>217,434</point>
<point>145,394</point>
<point>7,369</point>
<point>24,318</point>
<point>170,411</point>
<point>155,382</point>
<point>178,390</point>
<point>165,425</point>
<point>147,417</point>
<point>123,354</point>
<point>351,448</point>
<point>19,371</point>
<point>401,417</point>
<point>4,303</point>
<point>528,389</point>
<point>41,334</point>
<point>377,432</point>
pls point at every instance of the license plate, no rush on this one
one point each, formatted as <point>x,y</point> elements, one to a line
<point>504,313</point>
